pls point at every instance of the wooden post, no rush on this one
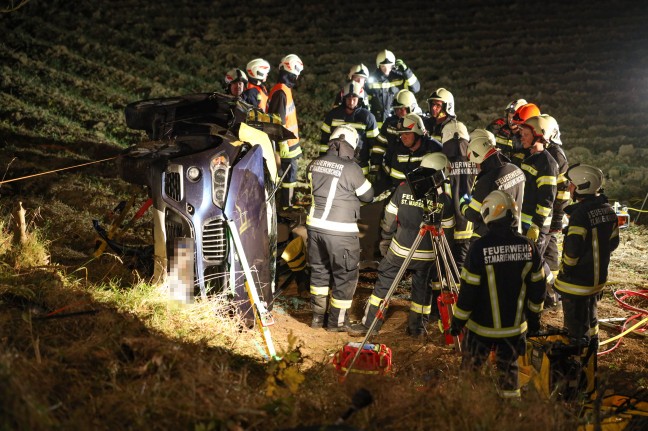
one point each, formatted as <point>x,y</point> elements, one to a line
<point>19,226</point>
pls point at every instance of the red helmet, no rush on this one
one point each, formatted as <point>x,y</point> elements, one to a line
<point>525,112</point>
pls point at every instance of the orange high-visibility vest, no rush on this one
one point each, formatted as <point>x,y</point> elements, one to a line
<point>291,113</point>
<point>262,96</point>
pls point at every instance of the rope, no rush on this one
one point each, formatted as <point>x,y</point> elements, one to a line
<point>620,296</point>
<point>635,209</point>
<point>57,170</point>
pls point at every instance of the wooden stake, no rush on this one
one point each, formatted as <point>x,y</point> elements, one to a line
<point>19,227</point>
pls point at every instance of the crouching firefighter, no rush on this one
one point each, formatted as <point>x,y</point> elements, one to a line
<point>592,236</point>
<point>338,186</point>
<point>502,287</point>
<point>400,226</point>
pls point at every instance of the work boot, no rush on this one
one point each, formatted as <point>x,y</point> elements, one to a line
<point>317,322</point>
<point>342,328</point>
<point>360,330</point>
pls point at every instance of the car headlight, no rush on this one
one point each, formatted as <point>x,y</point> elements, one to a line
<point>219,167</point>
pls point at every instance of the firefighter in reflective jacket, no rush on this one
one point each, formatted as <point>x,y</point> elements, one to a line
<point>496,172</point>
<point>442,111</point>
<point>502,128</point>
<point>400,227</point>
<point>280,102</point>
<point>337,186</point>
<point>462,175</point>
<point>551,254</point>
<point>389,77</point>
<point>351,112</point>
<point>592,235</point>
<point>407,155</point>
<point>501,294</point>
<point>257,71</point>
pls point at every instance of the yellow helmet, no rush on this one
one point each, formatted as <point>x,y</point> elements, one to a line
<point>385,57</point>
<point>499,205</point>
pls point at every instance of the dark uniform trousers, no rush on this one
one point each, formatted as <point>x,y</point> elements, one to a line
<point>476,350</point>
<point>334,268</point>
<point>421,298</point>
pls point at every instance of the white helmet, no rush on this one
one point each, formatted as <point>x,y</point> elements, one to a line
<point>347,133</point>
<point>587,179</point>
<point>358,69</point>
<point>498,205</point>
<point>554,130</point>
<point>481,146</point>
<point>235,75</point>
<point>411,123</point>
<point>258,69</point>
<point>541,127</point>
<point>454,130</point>
<point>385,57</point>
<point>353,88</point>
<point>446,97</point>
<point>437,161</point>
<point>291,63</point>
<point>405,99</point>
<point>514,105</point>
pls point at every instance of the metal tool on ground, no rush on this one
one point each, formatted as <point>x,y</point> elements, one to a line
<point>424,189</point>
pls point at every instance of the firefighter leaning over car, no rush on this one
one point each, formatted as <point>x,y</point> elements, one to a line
<point>551,254</point>
<point>442,111</point>
<point>502,128</point>
<point>462,175</point>
<point>496,172</point>
<point>389,77</point>
<point>337,187</point>
<point>358,73</point>
<point>408,153</point>
<point>281,102</point>
<point>501,294</point>
<point>235,81</point>
<point>351,112</point>
<point>400,227</point>
<point>523,113</point>
<point>591,236</point>
<point>257,71</point>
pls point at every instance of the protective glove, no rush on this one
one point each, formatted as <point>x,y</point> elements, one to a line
<point>284,149</point>
<point>455,327</point>
<point>464,201</point>
<point>384,246</point>
<point>400,64</point>
<point>533,233</point>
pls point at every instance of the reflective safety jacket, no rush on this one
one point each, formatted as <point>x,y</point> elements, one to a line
<point>434,129</point>
<point>462,177</point>
<point>360,119</point>
<point>592,236</point>
<point>388,138</point>
<point>259,94</point>
<point>280,102</point>
<point>503,135</point>
<point>502,281</point>
<point>382,90</point>
<point>402,224</point>
<point>541,171</point>
<point>497,173</point>
<point>337,186</point>
<point>399,160</point>
<point>562,187</point>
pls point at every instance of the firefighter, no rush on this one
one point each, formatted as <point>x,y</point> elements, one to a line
<point>389,137</point>
<point>551,254</point>
<point>523,113</point>
<point>337,186</point>
<point>235,82</point>
<point>592,235</point>
<point>391,76</point>
<point>408,153</point>
<point>462,175</point>
<point>442,111</point>
<point>281,102</point>
<point>351,112</point>
<point>399,228</point>
<point>496,172</point>
<point>501,293</point>
<point>358,73</point>
<point>502,128</point>
<point>541,173</point>
<point>258,70</point>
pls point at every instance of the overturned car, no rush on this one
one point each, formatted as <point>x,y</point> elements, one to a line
<point>210,170</point>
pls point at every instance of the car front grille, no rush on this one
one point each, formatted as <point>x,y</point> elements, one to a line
<point>214,241</point>
<point>172,186</point>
